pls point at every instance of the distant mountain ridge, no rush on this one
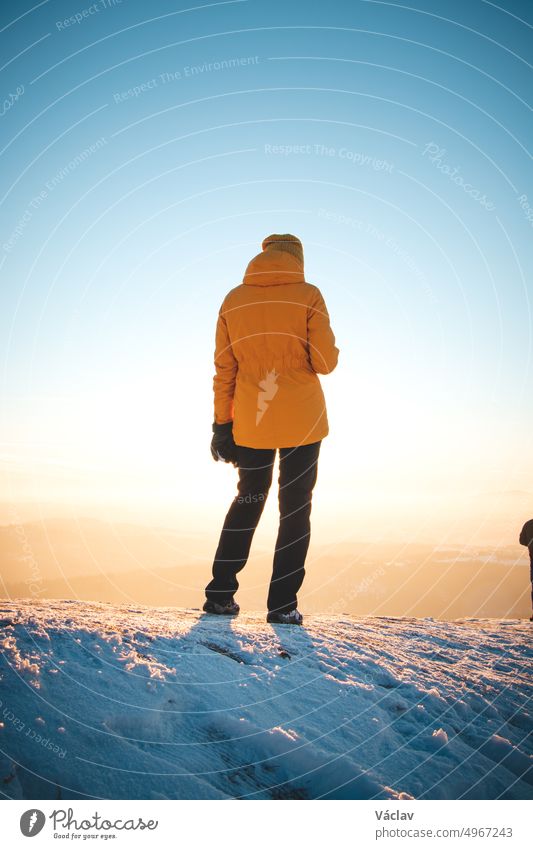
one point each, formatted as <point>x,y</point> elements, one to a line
<point>119,563</point>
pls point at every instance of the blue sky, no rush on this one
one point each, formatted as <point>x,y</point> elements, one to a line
<point>147,150</point>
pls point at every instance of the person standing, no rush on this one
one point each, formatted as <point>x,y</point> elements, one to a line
<point>273,339</point>
<point>526,538</point>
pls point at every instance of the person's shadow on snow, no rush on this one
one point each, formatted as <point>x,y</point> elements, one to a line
<point>286,734</point>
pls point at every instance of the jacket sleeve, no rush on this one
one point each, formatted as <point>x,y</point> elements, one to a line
<point>226,372</point>
<point>323,355</point>
<point>526,534</point>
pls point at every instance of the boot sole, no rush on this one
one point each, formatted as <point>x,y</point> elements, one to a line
<point>214,613</point>
<point>281,622</point>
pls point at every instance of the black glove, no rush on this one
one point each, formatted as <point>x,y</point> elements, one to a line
<point>222,445</point>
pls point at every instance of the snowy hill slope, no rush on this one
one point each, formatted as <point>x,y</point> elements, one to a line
<point>118,702</point>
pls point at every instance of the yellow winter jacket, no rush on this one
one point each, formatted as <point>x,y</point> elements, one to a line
<point>273,338</point>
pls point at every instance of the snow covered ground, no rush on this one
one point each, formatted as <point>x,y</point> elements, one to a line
<point>118,702</point>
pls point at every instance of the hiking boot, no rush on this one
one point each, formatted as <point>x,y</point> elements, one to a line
<point>227,608</point>
<point>293,617</point>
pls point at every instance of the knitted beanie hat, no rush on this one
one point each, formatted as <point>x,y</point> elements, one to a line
<point>285,242</point>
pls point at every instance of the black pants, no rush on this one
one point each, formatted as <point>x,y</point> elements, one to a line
<point>297,477</point>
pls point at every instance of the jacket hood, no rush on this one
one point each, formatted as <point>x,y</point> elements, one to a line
<point>272,268</point>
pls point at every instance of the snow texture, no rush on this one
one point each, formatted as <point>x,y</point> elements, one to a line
<point>115,702</point>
